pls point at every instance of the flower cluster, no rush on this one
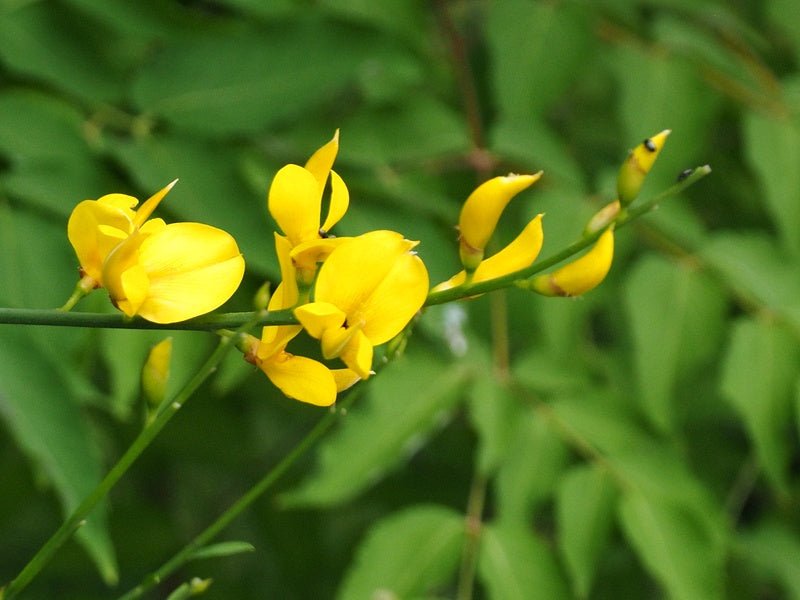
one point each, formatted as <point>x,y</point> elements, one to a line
<point>350,293</point>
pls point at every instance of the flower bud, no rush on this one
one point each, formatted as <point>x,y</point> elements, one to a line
<point>262,297</point>
<point>155,373</point>
<point>602,218</point>
<point>581,275</point>
<point>636,167</point>
<point>481,212</point>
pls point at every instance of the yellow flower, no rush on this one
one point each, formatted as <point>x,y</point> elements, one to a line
<point>637,165</point>
<point>163,273</point>
<point>96,227</point>
<point>297,377</point>
<point>367,291</point>
<point>519,254</point>
<point>581,275</point>
<point>295,202</point>
<point>481,212</point>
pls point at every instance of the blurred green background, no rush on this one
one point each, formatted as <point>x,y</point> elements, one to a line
<point>643,442</point>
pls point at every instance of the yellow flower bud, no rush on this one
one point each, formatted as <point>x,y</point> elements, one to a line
<point>636,167</point>
<point>481,212</point>
<point>155,373</point>
<point>581,275</point>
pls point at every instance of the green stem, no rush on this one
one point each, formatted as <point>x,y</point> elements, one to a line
<point>142,441</point>
<point>59,318</point>
<point>466,290</point>
<point>244,502</point>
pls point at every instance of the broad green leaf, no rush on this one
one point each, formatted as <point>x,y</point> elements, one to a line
<point>773,150</point>
<point>242,78</point>
<point>537,50</point>
<point>539,371</point>
<point>495,414</point>
<point>404,406</point>
<point>222,549</point>
<point>535,459</point>
<point>210,190</point>
<point>585,502</point>
<point>673,546</point>
<point>406,554</point>
<point>50,429</point>
<point>418,130</point>
<point>757,269</point>
<point>676,319</point>
<point>773,549</point>
<point>758,378</point>
<point>513,564</point>
<point>51,44</point>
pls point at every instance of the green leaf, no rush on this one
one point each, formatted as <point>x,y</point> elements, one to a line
<point>673,545</point>
<point>773,149</point>
<point>585,503</point>
<point>404,406</point>
<point>222,549</point>
<point>50,429</point>
<point>773,548</point>
<point>676,317</point>
<point>242,78</point>
<point>494,411</point>
<point>758,378</point>
<point>52,44</point>
<point>406,554</point>
<point>757,269</point>
<point>534,462</point>
<point>513,563</point>
<point>537,50</point>
<point>210,189</point>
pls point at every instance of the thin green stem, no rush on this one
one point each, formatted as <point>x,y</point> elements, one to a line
<point>59,318</point>
<point>142,441</point>
<point>244,502</point>
<point>466,290</point>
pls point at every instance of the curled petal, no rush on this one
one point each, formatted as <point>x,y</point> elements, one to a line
<point>581,275</point>
<point>301,378</point>
<point>308,254</point>
<point>274,339</point>
<point>294,202</point>
<point>483,207</point>
<point>286,294</point>
<point>149,205</point>
<point>340,200</point>
<point>345,378</point>
<point>321,162</point>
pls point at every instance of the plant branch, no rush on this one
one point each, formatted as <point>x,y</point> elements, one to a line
<point>142,441</point>
<point>254,493</point>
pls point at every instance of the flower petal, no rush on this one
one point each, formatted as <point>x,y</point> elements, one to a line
<point>193,268</point>
<point>340,200</point>
<point>302,378</point>
<point>294,202</point>
<point>519,254</point>
<point>317,317</point>
<point>149,205</point>
<point>274,339</point>
<point>581,275</point>
<point>357,355</point>
<point>483,207</point>
<point>320,163</point>
<point>353,270</point>
<point>95,228</point>
<point>286,294</point>
<point>344,378</point>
